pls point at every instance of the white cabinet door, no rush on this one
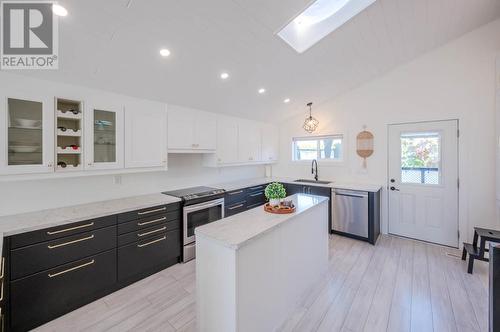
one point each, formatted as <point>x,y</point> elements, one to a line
<point>205,131</point>
<point>270,143</point>
<point>180,128</point>
<point>145,135</point>
<point>104,136</point>
<point>227,140</point>
<point>27,140</point>
<point>249,142</point>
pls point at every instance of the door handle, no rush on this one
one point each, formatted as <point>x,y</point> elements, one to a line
<point>394,188</point>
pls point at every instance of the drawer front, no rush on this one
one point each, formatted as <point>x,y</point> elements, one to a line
<point>255,199</point>
<point>173,218</point>
<point>235,208</point>
<point>147,233</point>
<point>45,255</point>
<point>145,213</point>
<point>235,196</point>
<point>139,257</point>
<point>49,294</point>
<point>48,234</point>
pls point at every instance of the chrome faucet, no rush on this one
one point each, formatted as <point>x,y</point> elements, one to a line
<point>314,170</point>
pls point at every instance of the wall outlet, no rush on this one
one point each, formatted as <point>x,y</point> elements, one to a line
<point>117,179</point>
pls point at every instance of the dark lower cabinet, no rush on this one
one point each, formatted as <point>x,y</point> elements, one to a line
<point>46,295</point>
<point>235,208</point>
<point>41,256</point>
<point>52,271</point>
<point>148,255</point>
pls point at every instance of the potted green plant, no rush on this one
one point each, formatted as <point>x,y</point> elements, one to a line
<point>275,192</point>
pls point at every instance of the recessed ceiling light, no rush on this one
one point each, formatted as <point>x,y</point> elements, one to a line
<point>224,76</point>
<point>286,101</point>
<point>320,19</point>
<point>164,52</point>
<point>262,90</point>
<point>59,10</point>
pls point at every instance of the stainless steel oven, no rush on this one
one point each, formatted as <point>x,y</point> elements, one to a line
<point>197,215</point>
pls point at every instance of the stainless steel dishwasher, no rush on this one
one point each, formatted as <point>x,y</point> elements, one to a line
<point>350,212</point>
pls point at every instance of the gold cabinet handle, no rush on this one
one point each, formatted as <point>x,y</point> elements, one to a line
<point>151,211</point>
<point>257,194</point>
<point>235,207</point>
<point>151,242</point>
<point>70,229</point>
<point>152,232</point>
<point>151,222</point>
<point>1,295</point>
<point>255,188</point>
<point>71,269</point>
<point>3,268</point>
<point>50,246</point>
<point>235,192</point>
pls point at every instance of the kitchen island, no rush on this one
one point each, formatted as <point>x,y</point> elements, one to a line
<point>254,267</point>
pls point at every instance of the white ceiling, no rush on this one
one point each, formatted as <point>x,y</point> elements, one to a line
<point>114,45</point>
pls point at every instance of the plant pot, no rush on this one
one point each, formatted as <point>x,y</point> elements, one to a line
<point>274,201</point>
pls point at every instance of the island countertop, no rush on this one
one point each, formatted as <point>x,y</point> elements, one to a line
<point>237,230</point>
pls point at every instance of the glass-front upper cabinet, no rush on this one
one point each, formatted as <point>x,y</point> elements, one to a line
<point>105,139</point>
<point>27,146</point>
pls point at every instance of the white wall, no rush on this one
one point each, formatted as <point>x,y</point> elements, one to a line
<point>456,81</point>
<point>183,170</point>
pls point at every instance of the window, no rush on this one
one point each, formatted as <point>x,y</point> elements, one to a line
<point>319,147</point>
<point>420,158</point>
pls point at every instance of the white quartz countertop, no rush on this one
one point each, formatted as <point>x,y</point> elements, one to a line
<point>27,222</point>
<point>228,186</point>
<point>235,231</point>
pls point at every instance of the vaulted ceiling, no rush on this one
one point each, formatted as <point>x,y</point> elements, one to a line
<point>114,45</point>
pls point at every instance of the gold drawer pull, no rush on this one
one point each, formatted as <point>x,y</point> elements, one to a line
<point>151,222</point>
<point>70,229</point>
<point>151,211</point>
<point>235,192</point>
<point>257,194</point>
<point>154,241</point>
<point>50,246</point>
<point>1,295</point>
<point>152,232</point>
<point>235,207</point>
<point>255,188</point>
<point>71,269</point>
<point>3,268</point>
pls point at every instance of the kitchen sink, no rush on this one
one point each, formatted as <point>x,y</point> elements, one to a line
<point>312,181</point>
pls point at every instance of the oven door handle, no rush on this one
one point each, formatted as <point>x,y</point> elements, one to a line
<point>203,206</point>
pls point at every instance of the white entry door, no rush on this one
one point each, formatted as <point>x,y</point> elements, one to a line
<point>423,181</point>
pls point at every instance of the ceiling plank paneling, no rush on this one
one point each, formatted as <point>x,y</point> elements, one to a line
<point>112,46</point>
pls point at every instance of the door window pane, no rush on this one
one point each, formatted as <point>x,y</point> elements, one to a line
<point>25,132</point>
<point>104,136</point>
<point>420,158</point>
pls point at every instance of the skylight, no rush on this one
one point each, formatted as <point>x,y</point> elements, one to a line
<point>318,20</point>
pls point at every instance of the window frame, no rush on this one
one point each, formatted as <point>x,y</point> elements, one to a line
<point>317,138</point>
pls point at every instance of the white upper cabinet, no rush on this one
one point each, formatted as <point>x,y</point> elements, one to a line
<point>227,140</point>
<point>249,141</point>
<point>270,143</point>
<point>145,134</point>
<point>205,131</point>
<point>104,136</point>
<point>191,130</point>
<point>27,142</point>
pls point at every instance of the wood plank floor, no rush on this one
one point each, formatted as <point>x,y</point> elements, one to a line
<point>397,285</point>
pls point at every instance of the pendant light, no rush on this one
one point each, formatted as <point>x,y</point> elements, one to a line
<point>310,123</point>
